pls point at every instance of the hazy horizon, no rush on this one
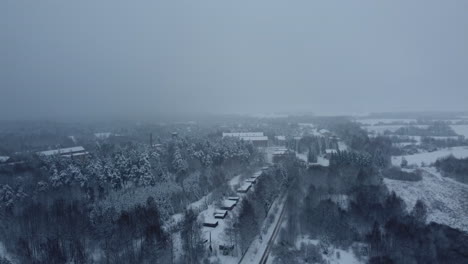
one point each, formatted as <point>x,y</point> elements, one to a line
<point>91,59</point>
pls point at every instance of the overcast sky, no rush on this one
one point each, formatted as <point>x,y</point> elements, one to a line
<point>131,58</point>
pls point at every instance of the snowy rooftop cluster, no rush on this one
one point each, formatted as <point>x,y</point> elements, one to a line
<point>247,136</point>
<point>243,134</point>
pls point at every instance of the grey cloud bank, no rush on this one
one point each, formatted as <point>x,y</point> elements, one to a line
<point>116,58</point>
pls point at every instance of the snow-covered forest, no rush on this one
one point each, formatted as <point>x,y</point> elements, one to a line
<point>321,190</point>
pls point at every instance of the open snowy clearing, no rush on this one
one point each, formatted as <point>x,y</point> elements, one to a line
<point>320,160</point>
<point>346,256</point>
<point>374,121</point>
<point>447,200</point>
<point>461,130</point>
<point>431,157</point>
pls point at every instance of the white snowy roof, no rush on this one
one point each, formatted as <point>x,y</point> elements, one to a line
<point>280,151</point>
<point>243,134</point>
<point>102,135</point>
<point>323,131</point>
<point>330,151</point>
<point>257,174</point>
<point>245,186</point>
<point>61,151</point>
<point>210,221</point>
<point>4,158</point>
<point>229,203</point>
<point>262,138</point>
<point>220,211</point>
<point>76,154</point>
<point>251,180</point>
<point>280,137</point>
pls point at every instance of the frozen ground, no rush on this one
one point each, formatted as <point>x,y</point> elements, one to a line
<point>460,130</point>
<point>346,256</point>
<point>431,157</point>
<point>374,121</point>
<point>447,200</point>
<point>320,160</point>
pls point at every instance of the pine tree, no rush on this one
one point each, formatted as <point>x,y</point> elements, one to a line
<point>419,212</point>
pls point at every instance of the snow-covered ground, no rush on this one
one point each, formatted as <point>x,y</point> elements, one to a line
<point>460,130</point>
<point>346,256</point>
<point>374,121</point>
<point>379,130</point>
<point>447,200</point>
<point>218,234</point>
<point>4,253</point>
<point>320,160</point>
<point>431,157</point>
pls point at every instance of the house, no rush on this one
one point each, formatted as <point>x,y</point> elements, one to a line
<point>102,135</point>
<point>220,214</point>
<point>72,152</point>
<point>210,223</point>
<point>257,138</point>
<point>228,204</point>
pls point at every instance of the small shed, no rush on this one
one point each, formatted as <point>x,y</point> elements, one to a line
<point>234,198</point>
<point>210,223</point>
<point>220,214</point>
<point>244,188</point>
<point>251,180</point>
<point>228,204</point>
<point>257,174</point>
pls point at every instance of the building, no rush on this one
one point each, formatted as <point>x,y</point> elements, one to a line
<point>281,154</point>
<point>280,140</point>
<point>257,138</point>
<point>210,223</point>
<point>72,152</point>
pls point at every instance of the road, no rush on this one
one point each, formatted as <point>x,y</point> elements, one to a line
<point>259,250</point>
<point>272,239</point>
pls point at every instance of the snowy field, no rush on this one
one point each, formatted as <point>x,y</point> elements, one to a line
<point>460,130</point>
<point>380,130</point>
<point>374,121</point>
<point>431,157</point>
<point>320,160</point>
<point>447,199</point>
